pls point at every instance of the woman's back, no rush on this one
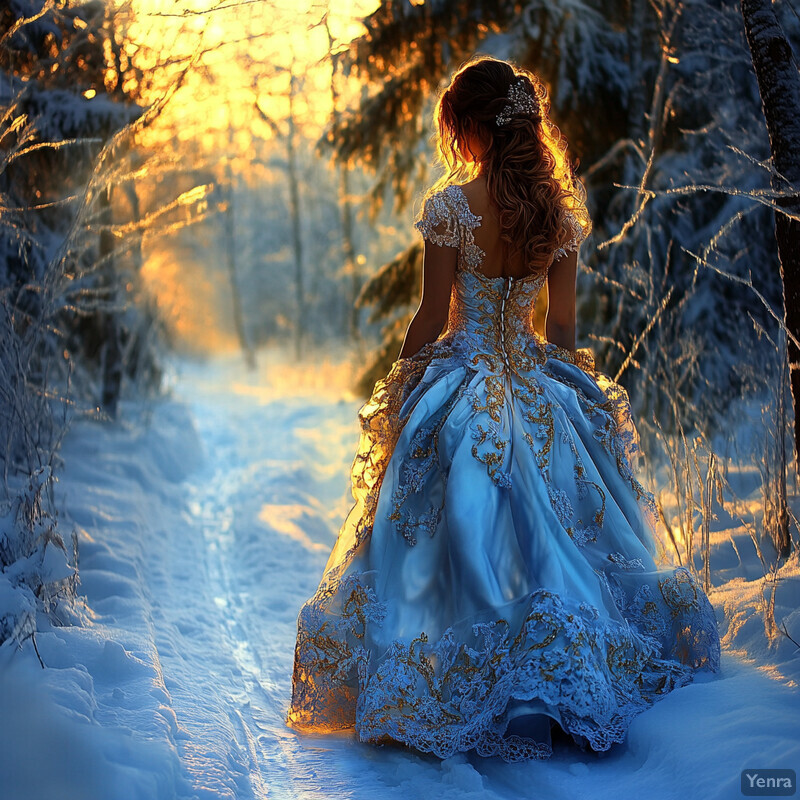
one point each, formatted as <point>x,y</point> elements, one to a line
<point>496,261</point>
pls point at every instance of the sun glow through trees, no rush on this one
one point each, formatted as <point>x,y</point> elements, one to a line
<point>233,72</point>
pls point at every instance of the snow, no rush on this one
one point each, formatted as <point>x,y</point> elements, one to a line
<point>204,521</point>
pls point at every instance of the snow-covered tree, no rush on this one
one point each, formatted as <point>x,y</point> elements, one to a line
<point>68,333</point>
<point>656,99</point>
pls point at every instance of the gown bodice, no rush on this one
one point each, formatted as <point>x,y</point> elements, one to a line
<point>491,336</point>
<point>490,318</point>
<point>494,319</point>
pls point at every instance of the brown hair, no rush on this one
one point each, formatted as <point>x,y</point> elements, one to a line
<point>529,178</point>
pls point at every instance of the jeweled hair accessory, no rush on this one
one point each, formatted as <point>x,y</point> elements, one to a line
<point>520,101</point>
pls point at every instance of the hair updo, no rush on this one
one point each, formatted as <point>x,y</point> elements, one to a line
<point>529,178</point>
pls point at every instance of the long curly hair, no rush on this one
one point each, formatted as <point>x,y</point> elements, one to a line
<point>529,178</point>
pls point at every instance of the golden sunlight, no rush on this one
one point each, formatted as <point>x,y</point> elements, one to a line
<point>232,57</point>
<point>291,520</point>
<point>225,78</point>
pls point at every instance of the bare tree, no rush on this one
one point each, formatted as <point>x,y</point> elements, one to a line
<point>294,212</point>
<point>346,208</point>
<point>295,216</point>
<point>230,252</point>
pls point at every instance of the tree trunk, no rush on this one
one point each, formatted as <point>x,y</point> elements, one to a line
<point>297,235</point>
<point>637,42</point>
<point>348,247</point>
<point>779,86</point>
<point>230,261</point>
<point>111,348</point>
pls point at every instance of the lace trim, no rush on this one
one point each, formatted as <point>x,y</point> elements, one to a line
<point>577,235</point>
<point>625,563</point>
<point>582,357</point>
<point>451,695</point>
<point>448,221</point>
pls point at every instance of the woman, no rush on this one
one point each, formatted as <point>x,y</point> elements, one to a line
<point>494,584</point>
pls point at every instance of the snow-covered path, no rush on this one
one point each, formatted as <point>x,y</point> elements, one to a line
<point>201,536</point>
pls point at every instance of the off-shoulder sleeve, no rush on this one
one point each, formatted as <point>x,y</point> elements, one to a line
<point>438,222</point>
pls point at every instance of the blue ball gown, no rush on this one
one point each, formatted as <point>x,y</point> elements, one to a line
<point>496,577</point>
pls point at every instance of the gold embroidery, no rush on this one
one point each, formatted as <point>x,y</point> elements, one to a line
<point>679,593</point>
<point>451,694</point>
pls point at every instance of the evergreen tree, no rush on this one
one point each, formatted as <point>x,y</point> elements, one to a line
<point>659,103</point>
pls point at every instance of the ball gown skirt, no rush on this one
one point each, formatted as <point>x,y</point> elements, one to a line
<point>497,573</point>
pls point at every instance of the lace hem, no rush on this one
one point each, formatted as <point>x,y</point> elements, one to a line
<point>452,695</point>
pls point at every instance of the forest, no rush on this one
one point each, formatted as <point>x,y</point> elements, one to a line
<point>208,260</point>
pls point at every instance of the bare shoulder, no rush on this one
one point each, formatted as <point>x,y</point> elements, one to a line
<point>477,196</point>
<point>475,190</point>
